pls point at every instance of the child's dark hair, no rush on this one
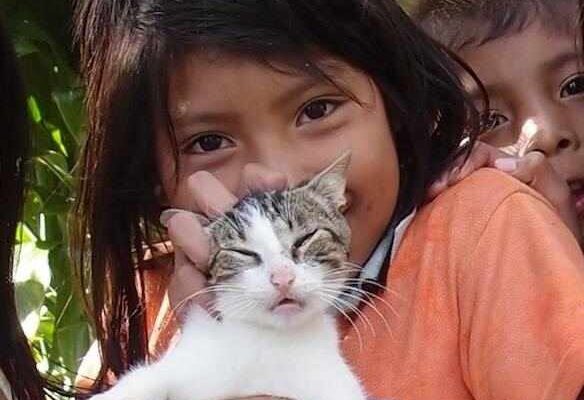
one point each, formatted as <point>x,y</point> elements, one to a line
<point>460,23</point>
<point>125,51</point>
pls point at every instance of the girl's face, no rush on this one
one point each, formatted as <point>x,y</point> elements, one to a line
<point>229,112</point>
<point>535,82</point>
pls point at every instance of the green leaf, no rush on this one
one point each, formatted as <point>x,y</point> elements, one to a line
<point>70,105</point>
<point>24,47</point>
<point>30,296</point>
<point>33,109</point>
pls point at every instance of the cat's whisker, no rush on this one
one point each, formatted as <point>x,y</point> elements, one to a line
<point>370,296</point>
<point>342,272</point>
<point>367,302</point>
<point>239,309</point>
<point>353,307</point>
<point>353,264</point>
<point>234,300</point>
<point>360,314</point>
<point>370,282</point>
<point>348,318</point>
<point>207,290</point>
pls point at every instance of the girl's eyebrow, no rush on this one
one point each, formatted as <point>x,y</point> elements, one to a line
<point>560,60</point>
<point>184,115</point>
<point>191,117</point>
<point>295,90</point>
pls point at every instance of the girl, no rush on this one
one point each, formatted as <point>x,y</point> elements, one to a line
<point>192,104</point>
<point>535,101</point>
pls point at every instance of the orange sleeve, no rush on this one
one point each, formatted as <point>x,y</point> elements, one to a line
<point>521,305</point>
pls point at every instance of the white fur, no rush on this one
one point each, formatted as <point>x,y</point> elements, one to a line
<point>252,351</point>
<point>219,361</point>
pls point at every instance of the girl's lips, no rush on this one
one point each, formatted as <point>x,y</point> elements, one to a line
<point>577,191</point>
<point>579,204</point>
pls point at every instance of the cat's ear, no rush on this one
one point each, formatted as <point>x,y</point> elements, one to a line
<point>331,182</point>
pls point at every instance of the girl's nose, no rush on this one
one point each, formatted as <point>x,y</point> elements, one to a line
<point>554,139</point>
<point>281,167</point>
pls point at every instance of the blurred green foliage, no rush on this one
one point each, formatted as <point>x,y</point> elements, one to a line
<point>50,306</point>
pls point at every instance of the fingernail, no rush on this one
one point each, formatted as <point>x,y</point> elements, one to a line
<point>506,164</point>
<point>167,214</point>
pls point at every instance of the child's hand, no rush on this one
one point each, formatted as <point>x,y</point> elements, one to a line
<point>532,169</point>
<point>209,198</point>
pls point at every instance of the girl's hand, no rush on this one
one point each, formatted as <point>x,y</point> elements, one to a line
<point>532,169</point>
<point>209,198</point>
<point>262,398</point>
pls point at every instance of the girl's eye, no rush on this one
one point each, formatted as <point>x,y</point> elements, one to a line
<point>572,87</point>
<point>208,143</point>
<point>316,110</point>
<point>492,119</point>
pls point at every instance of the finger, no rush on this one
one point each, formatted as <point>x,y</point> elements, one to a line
<point>482,155</point>
<point>186,281</point>
<point>257,178</point>
<point>438,186</point>
<point>531,168</point>
<point>209,195</point>
<point>187,234</point>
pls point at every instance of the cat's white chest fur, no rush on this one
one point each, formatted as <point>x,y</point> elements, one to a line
<point>218,361</point>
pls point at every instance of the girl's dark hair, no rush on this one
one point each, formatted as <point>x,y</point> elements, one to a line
<point>16,361</point>
<point>125,51</point>
<point>459,23</point>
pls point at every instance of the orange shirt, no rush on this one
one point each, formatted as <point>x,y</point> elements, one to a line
<point>485,300</point>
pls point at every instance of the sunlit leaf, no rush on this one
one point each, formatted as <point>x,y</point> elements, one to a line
<point>30,296</point>
<point>32,263</point>
<point>33,109</point>
<point>56,135</point>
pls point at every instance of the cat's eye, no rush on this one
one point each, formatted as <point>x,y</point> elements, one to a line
<point>304,244</point>
<point>206,143</point>
<point>316,110</point>
<point>300,241</point>
<point>243,252</point>
<point>492,119</point>
<point>572,86</point>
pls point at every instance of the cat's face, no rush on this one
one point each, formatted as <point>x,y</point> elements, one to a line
<point>279,258</point>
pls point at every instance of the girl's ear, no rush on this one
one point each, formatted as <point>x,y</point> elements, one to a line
<point>331,182</point>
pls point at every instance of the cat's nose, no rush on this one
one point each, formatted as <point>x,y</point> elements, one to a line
<point>282,278</point>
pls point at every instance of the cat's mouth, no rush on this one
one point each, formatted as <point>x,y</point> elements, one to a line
<point>287,307</point>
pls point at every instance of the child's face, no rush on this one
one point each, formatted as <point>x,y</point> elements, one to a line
<point>228,112</point>
<point>535,82</point>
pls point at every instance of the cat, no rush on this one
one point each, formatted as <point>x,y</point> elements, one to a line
<point>278,268</point>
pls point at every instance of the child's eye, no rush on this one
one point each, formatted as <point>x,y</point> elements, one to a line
<point>492,119</point>
<point>572,86</point>
<point>316,110</point>
<point>207,143</point>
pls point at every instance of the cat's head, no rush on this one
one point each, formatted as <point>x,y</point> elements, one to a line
<point>279,258</point>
